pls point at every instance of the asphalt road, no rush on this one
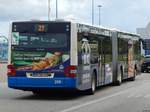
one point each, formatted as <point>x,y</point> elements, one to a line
<point>129,97</point>
<point>3,72</point>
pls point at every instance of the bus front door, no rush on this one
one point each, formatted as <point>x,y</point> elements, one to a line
<point>101,63</point>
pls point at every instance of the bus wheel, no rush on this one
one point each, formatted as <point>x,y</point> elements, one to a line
<point>133,78</point>
<point>37,93</point>
<point>119,80</point>
<point>91,91</point>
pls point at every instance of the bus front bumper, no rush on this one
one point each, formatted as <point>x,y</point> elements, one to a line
<point>25,83</point>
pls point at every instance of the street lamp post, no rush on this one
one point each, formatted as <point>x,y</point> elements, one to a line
<point>99,6</point>
<point>48,9</point>
<point>56,9</point>
<point>92,12</point>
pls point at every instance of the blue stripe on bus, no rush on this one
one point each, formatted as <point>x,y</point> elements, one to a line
<point>23,82</point>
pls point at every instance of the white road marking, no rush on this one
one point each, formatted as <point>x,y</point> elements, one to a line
<point>131,95</point>
<point>135,96</point>
<point>95,101</point>
<point>138,96</point>
<point>147,96</point>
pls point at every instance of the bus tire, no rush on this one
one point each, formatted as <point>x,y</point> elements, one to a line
<point>119,81</point>
<point>92,90</point>
<point>37,93</point>
<point>133,78</point>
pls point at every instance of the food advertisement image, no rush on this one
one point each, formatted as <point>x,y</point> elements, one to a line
<point>37,61</point>
<point>130,59</point>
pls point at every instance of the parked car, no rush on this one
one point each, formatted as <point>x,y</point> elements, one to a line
<point>146,64</point>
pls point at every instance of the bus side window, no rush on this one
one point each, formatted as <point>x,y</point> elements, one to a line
<point>85,49</point>
<point>94,50</point>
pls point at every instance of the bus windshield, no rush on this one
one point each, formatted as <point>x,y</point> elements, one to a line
<point>46,40</point>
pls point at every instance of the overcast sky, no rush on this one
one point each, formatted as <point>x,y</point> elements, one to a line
<point>121,14</point>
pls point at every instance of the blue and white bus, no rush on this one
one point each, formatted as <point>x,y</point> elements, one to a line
<point>47,55</point>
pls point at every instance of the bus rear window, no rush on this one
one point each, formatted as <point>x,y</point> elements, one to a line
<point>51,40</point>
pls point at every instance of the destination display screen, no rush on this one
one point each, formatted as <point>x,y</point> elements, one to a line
<point>41,27</point>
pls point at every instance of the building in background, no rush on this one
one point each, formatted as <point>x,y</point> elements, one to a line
<point>144,32</point>
<point>145,35</point>
<point>3,49</point>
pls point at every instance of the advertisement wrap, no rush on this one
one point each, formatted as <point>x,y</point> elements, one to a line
<point>130,59</point>
<point>40,64</point>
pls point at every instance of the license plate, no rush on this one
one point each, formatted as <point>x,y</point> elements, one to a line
<point>40,75</point>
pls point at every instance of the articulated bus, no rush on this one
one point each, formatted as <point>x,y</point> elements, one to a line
<point>46,55</point>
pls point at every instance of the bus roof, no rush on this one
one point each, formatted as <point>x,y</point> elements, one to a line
<point>109,30</point>
<point>84,24</point>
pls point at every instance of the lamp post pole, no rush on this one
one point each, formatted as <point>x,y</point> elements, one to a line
<point>99,6</point>
<point>56,9</point>
<point>49,9</point>
<point>92,12</point>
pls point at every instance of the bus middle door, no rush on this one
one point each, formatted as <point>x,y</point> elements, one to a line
<point>101,63</point>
